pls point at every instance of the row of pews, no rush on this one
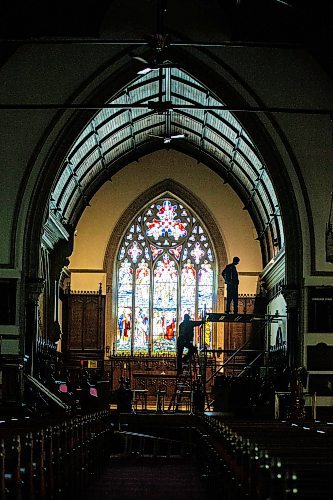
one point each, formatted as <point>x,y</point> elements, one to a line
<point>268,460</point>
<point>238,459</point>
<point>52,459</point>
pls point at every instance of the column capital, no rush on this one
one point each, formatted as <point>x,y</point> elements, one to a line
<point>34,287</point>
<point>291,295</point>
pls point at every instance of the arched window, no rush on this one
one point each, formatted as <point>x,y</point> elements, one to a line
<point>165,268</point>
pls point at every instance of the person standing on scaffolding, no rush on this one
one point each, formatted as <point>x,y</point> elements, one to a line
<point>185,339</point>
<point>230,276</point>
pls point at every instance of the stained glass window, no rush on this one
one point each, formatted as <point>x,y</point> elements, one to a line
<point>165,269</point>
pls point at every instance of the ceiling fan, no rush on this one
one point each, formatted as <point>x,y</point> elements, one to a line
<point>158,43</point>
<point>152,65</point>
<point>168,138</point>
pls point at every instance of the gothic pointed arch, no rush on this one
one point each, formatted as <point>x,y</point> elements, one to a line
<point>167,185</point>
<point>168,236</point>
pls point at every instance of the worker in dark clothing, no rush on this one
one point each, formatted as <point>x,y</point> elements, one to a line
<point>230,276</point>
<point>185,339</point>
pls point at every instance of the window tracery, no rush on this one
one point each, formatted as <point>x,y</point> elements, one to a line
<point>165,268</point>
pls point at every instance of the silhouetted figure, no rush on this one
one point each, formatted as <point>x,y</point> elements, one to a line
<point>230,276</point>
<point>185,339</point>
<point>55,332</point>
<point>198,396</point>
<point>298,382</point>
<point>124,396</point>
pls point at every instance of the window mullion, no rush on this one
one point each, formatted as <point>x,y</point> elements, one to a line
<point>196,291</point>
<point>179,296</point>
<point>151,308</point>
<point>162,228</point>
<point>133,308</point>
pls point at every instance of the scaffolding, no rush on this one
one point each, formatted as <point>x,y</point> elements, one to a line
<point>206,354</point>
<point>164,391</point>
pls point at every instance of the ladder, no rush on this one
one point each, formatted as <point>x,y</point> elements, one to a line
<point>183,394</point>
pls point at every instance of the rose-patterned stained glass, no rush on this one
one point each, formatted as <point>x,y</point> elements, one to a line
<point>165,222</point>
<point>155,252</point>
<point>134,251</point>
<point>176,252</point>
<point>165,269</point>
<point>197,252</point>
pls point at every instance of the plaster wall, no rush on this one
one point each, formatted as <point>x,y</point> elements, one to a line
<point>107,206</point>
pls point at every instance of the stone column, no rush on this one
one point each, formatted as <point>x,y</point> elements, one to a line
<point>291,295</point>
<point>34,287</point>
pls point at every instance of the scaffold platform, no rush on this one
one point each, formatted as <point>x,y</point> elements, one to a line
<point>241,318</point>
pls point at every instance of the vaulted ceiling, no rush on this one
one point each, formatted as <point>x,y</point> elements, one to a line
<point>166,107</point>
<point>167,100</point>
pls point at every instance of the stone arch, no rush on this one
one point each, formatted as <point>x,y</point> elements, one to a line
<point>207,76</point>
<point>172,188</point>
<point>263,138</point>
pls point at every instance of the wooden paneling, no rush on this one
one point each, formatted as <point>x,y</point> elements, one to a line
<point>83,323</point>
<point>236,334</point>
<point>75,322</point>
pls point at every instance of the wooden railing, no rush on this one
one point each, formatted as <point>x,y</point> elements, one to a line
<point>145,445</point>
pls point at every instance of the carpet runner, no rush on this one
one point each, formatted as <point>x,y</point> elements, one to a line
<point>149,478</point>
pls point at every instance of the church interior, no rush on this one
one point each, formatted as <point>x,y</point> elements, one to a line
<point>144,145</point>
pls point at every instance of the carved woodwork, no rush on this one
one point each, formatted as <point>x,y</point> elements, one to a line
<point>236,334</point>
<point>83,325</point>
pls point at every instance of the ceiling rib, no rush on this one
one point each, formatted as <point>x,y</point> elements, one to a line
<point>150,106</point>
<point>142,42</point>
